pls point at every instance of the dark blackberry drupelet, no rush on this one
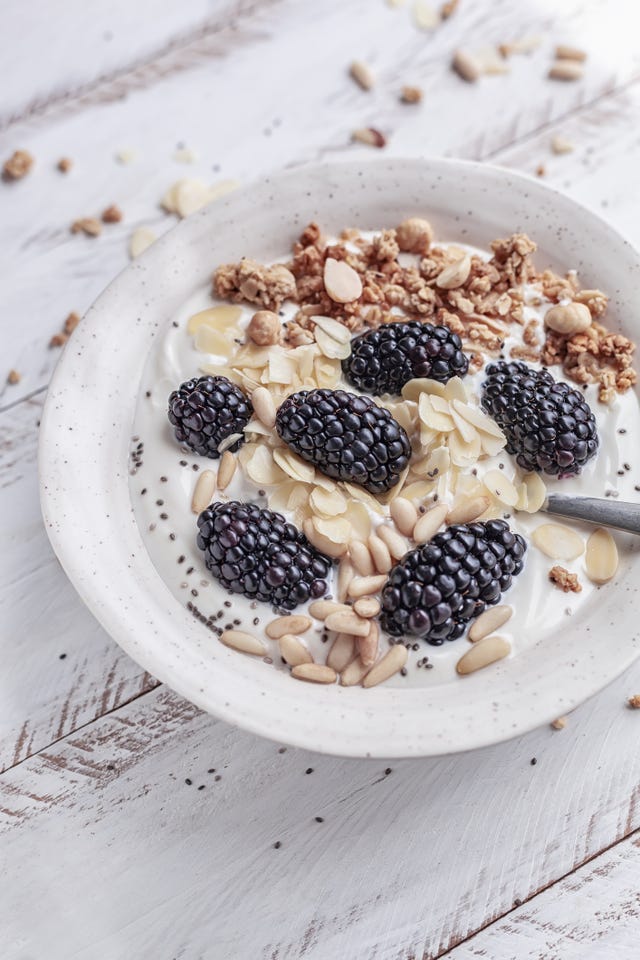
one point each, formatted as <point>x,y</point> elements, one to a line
<point>548,424</point>
<point>257,553</point>
<point>347,437</point>
<point>205,411</point>
<point>384,359</point>
<point>436,589</point>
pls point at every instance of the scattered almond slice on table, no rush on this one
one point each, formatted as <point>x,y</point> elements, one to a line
<point>557,541</point>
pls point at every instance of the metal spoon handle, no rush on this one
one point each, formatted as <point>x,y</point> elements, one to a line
<point>607,513</point>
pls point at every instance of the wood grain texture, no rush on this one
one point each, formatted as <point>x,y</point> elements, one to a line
<point>593,914</point>
<point>42,620</point>
<point>404,864</point>
<point>121,856</point>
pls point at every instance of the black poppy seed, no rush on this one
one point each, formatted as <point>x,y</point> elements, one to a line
<point>147,393</point>
<point>309,770</point>
<point>637,487</point>
<point>228,626</point>
<point>277,845</point>
<point>110,766</point>
<point>134,439</point>
<point>387,771</point>
<point>183,463</point>
<point>62,656</point>
<point>262,493</point>
<point>282,749</point>
<point>415,646</point>
<point>533,761</point>
<point>319,819</point>
<point>181,558</point>
<point>267,660</point>
<point>218,776</point>
<point>159,503</point>
<point>175,323</point>
<point>164,516</point>
<point>172,536</point>
<point>194,593</point>
<point>256,621</point>
<point>621,473</point>
<point>152,527</point>
<point>143,491</point>
<point>227,603</point>
<point>211,770</point>
<point>517,902</point>
<point>189,570</point>
<point>237,623</point>
<point>428,666</point>
<point>201,787</point>
<point>163,479</point>
<point>188,781</point>
<point>194,466</point>
<point>626,466</point>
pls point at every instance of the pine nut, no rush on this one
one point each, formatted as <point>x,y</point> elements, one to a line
<point>404,515</point>
<point>380,553</point>
<point>314,673</point>
<point>322,543</point>
<point>490,620</point>
<point>264,407</point>
<point>430,522</point>
<point>345,576</point>
<point>565,70</point>
<point>320,609</point>
<point>294,623</point>
<point>367,607</point>
<point>354,673</point>
<point>342,652</point>
<point>244,642</point>
<point>204,490</point>
<point>368,646</point>
<point>347,623</point>
<point>397,546</point>
<point>466,66</point>
<point>226,469</point>
<point>483,653</point>
<point>392,662</point>
<point>361,558</point>
<point>365,586</point>
<point>565,52</point>
<point>293,650</point>
<point>467,510</point>
<point>362,74</point>
<point>601,560</point>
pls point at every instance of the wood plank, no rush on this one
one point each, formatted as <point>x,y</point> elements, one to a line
<point>227,95</point>
<point>60,669</point>
<point>593,913</point>
<point>405,863</point>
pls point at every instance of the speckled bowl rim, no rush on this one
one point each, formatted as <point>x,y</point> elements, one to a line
<point>84,471</point>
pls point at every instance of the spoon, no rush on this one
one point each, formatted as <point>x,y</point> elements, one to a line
<point>606,513</point>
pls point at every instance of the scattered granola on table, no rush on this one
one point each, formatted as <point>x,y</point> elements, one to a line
<point>17,166</point>
<point>566,581</point>
<point>90,226</point>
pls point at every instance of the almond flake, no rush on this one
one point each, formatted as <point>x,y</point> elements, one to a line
<point>535,493</point>
<point>419,385</point>
<point>331,348</point>
<point>478,419</point>
<point>601,560</point>
<point>140,240</point>
<point>463,453</point>
<point>321,542</point>
<point>262,469</point>
<point>557,541</point>
<point>337,530</point>
<point>327,503</point>
<point>359,518</point>
<point>341,282</point>
<point>333,328</point>
<point>294,466</point>
<point>454,389</point>
<point>467,509</point>
<point>501,487</point>
<point>219,318</point>
<point>430,417</point>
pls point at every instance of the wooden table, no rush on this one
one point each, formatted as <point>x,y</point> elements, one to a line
<point>134,825</point>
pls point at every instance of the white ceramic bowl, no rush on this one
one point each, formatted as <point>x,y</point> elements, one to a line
<point>84,470</point>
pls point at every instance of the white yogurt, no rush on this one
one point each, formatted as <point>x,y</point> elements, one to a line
<point>169,474</point>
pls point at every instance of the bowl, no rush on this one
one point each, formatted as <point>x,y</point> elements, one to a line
<point>84,466</point>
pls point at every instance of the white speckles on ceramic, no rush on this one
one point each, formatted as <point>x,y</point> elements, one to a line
<point>86,430</point>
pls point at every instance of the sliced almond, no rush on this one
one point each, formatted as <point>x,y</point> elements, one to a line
<point>492,619</point>
<point>333,328</point>
<point>392,662</point>
<point>294,466</point>
<point>436,419</point>
<point>455,389</point>
<point>211,341</point>
<point>455,274</point>
<point>244,642</point>
<point>535,493</point>
<point>568,318</point>
<point>264,407</point>
<point>367,607</point>
<point>430,522</point>
<point>368,645</point>
<point>366,586</point>
<point>347,623</point>
<point>220,318</point>
<point>294,623</point>
<point>293,650</point>
<point>362,74</point>
<point>229,442</point>
<point>262,469</point>
<point>413,388</point>
<point>322,543</point>
<point>397,545</point>
<point>361,558</point>
<point>342,652</point>
<point>467,509</point>
<point>226,470</point>
<point>140,240</point>
<point>314,673</point>
<point>204,490</point>
<point>500,487</point>
<point>601,560</point>
<point>332,348</point>
<point>483,653</point>
<point>464,453</point>
<point>380,554</point>
<point>320,609</point>
<point>478,419</point>
<point>327,503</point>
<point>360,519</point>
<point>404,515</point>
<point>557,541</point>
<point>354,673</point>
<point>342,283</point>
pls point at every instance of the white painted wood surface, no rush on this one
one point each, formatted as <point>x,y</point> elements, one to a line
<point>108,853</point>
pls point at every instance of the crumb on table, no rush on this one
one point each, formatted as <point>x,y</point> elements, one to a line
<point>13,377</point>
<point>634,702</point>
<point>17,166</point>
<point>112,214</point>
<point>64,164</point>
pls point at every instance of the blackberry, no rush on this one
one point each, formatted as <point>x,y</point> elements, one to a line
<point>383,360</point>
<point>257,553</point>
<point>549,426</point>
<point>347,437</point>
<point>437,588</point>
<point>205,411</point>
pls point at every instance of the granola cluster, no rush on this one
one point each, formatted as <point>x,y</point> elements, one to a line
<point>479,300</point>
<point>566,581</point>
